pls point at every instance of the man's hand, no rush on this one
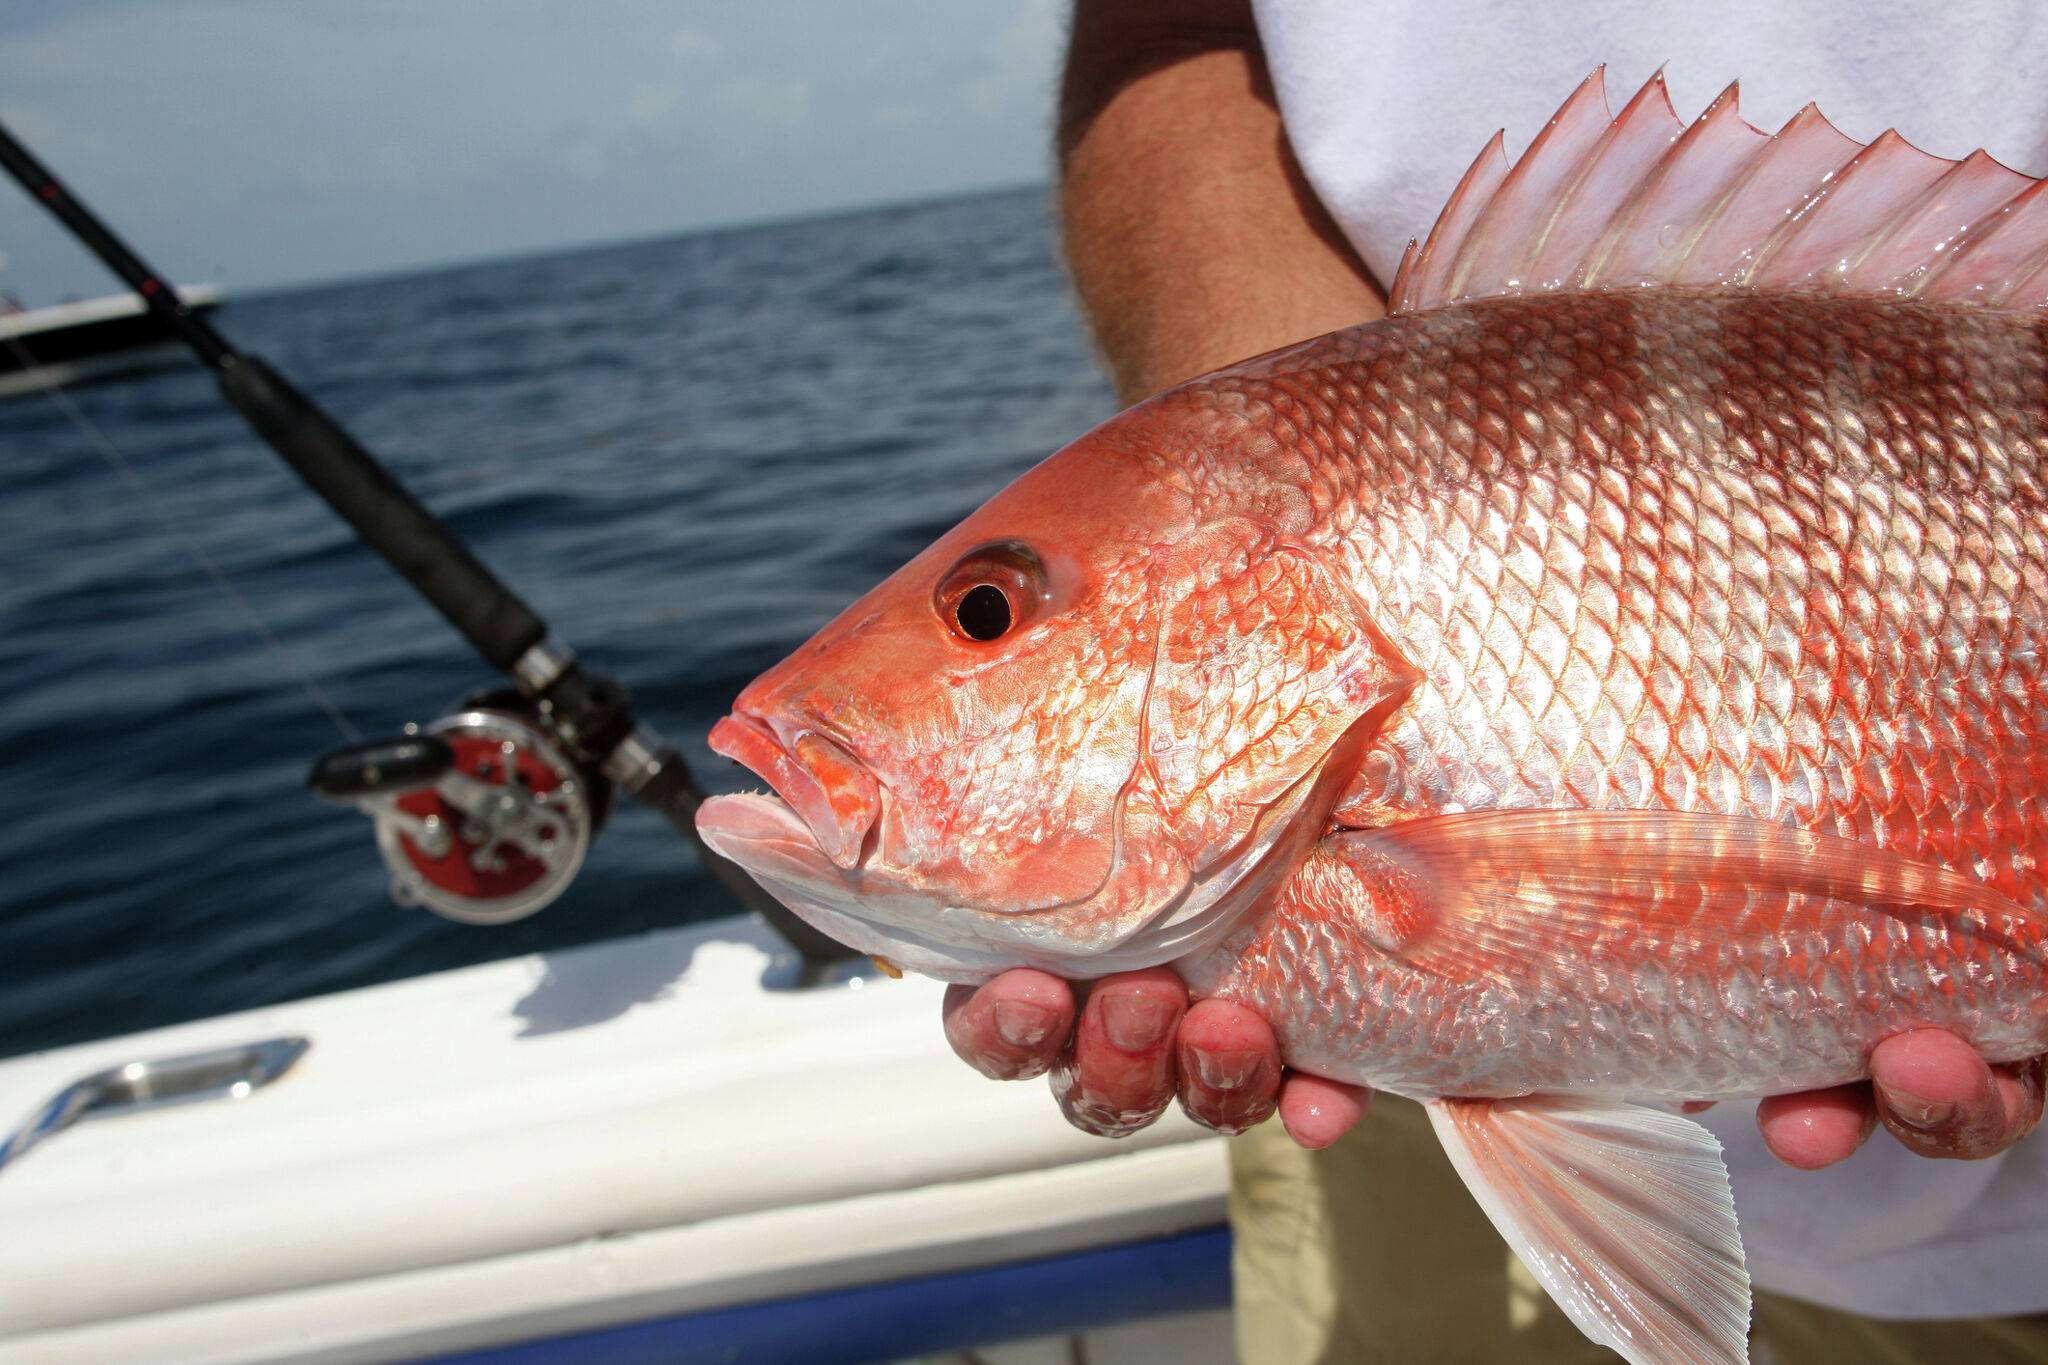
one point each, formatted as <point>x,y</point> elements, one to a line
<point>1138,1043</point>
<point>1929,1087</point>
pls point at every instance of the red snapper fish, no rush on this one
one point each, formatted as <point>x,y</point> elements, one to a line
<point>1612,679</point>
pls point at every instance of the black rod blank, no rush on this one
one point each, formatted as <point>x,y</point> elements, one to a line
<point>194,330</point>
<point>390,520</point>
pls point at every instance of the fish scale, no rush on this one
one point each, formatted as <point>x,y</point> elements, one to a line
<point>1876,676</point>
<point>1674,1014</point>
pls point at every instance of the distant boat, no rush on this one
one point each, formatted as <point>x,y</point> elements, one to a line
<point>75,343</point>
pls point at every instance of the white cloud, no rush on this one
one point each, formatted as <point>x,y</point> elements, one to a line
<point>687,42</point>
<point>652,106</point>
<point>586,158</point>
<point>784,104</point>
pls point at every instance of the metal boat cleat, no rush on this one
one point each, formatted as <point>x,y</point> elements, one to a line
<point>230,1073</point>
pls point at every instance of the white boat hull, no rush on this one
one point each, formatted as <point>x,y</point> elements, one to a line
<point>550,1145</point>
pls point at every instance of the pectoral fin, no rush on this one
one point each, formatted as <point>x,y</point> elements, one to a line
<point>1489,893</point>
<point>1623,1213</point>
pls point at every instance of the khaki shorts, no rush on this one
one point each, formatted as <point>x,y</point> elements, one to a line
<point>1373,1251</point>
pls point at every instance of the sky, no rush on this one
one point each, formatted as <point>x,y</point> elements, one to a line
<point>268,143</point>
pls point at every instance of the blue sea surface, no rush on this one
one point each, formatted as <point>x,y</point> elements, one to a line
<point>685,454</point>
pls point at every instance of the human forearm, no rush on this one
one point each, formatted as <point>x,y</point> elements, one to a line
<point>1192,236</point>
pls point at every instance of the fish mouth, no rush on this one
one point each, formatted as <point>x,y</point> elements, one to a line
<point>817,778</point>
<point>807,840</point>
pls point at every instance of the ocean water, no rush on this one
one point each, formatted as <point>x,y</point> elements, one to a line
<point>685,454</point>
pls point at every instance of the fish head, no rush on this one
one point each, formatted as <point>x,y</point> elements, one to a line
<point>1081,731</point>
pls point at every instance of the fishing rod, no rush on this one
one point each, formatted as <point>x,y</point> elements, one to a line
<point>484,815</point>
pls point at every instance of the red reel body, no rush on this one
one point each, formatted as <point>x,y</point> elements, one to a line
<point>481,815</point>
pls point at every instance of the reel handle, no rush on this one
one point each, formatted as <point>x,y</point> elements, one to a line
<point>381,767</point>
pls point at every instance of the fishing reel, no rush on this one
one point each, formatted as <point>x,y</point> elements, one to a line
<point>482,816</point>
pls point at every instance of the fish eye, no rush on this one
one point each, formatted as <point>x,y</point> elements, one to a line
<point>991,591</point>
<point>984,613</point>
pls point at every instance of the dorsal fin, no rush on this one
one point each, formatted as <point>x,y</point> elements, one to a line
<point>1643,199</point>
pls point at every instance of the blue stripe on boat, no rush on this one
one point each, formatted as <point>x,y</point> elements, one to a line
<point>884,1322</point>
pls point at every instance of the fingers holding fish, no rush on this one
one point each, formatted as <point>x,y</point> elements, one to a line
<point>1229,1062</point>
<point>1941,1099</point>
<point>1929,1088</point>
<point>1137,1044</point>
<point>2020,1087</point>
<point>1120,1073</point>
<point>1813,1129</point>
<point>1316,1112</point>
<point>1013,1027</point>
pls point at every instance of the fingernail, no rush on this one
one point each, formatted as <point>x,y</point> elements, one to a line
<point>1136,1022</point>
<point>1914,1112</point>
<point>1226,1070</point>
<point>1229,1127</point>
<point>1023,1024</point>
<point>1092,1113</point>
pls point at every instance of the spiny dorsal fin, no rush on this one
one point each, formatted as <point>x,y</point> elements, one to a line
<point>1644,199</point>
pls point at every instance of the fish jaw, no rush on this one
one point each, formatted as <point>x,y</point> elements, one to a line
<point>777,847</point>
<point>878,910</point>
<point>809,841</point>
<point>1149,907</point>
<point>822,842</point>
<point>836,797</point>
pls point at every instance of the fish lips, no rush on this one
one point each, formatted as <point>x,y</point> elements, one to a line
<point>829,789</point>
<point>781,849</point>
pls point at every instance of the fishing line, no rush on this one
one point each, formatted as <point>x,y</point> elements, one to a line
<point>141,491</point>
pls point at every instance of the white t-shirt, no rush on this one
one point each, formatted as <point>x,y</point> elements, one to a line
<point>1386,104</point>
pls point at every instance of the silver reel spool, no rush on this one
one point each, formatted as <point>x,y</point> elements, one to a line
<point>496,836</point>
